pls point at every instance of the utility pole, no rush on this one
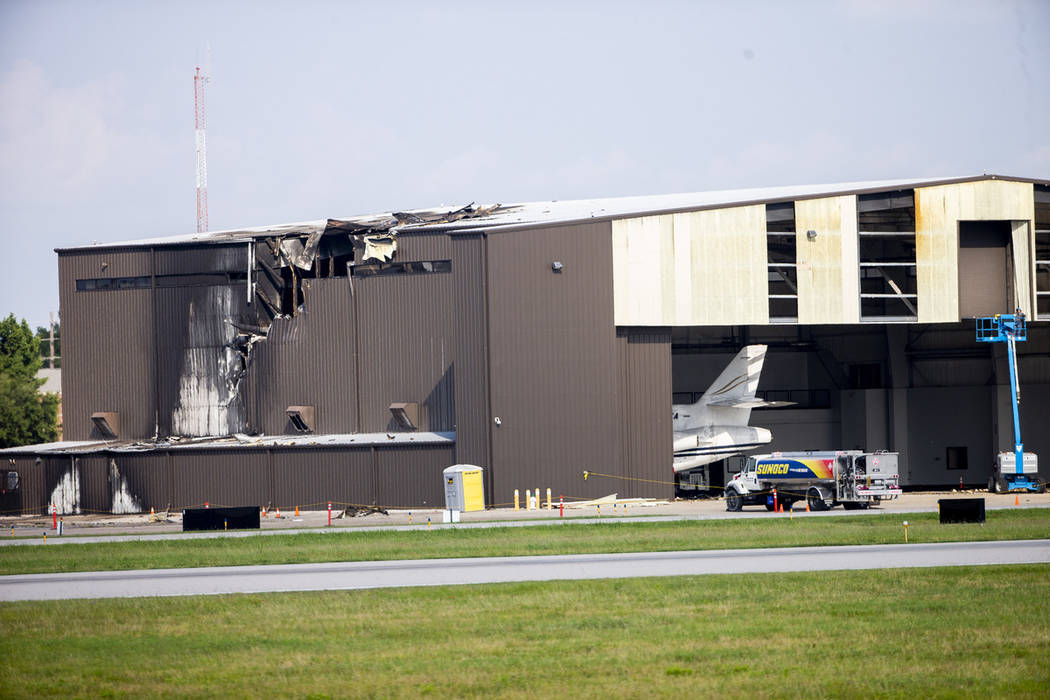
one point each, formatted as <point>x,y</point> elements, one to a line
<point>51,354</point>
<point>202,150</point>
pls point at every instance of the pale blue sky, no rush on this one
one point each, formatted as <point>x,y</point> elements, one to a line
<point>321,109</point>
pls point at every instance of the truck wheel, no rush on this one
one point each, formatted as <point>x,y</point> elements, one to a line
<point>734,503</point>
<point>815,500</point>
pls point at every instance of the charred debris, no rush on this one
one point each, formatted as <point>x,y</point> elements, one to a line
<point>279,261</point>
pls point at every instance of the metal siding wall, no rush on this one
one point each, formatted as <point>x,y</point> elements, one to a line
<point>938,211</point>
<point>149,478</point>
<point>410,476</point>
<point>193,338</point>
<point>95,491</point>
<point>107,350</point>
<point>311,478</point>
<point>672,269</point>
<point>413,247</point>
<point>90,264</point>
<point>647,409</point>
<point>553,360</point>
<point>204,259</point>
<point>31,473</point>
<point>829,265</point>
<point>470,337</point>
<point>307,360</point>
<point>405,334</point>
<point>223,477</point>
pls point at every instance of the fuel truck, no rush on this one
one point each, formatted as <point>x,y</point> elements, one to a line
<point>824,479</point>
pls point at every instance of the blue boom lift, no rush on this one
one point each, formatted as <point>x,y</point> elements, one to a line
<point>1011,329</point>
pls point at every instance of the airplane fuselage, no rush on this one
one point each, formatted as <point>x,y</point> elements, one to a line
<point>699,447</point>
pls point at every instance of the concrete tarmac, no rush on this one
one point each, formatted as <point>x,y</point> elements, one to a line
<point>439,572</point>
<point>106,527</point>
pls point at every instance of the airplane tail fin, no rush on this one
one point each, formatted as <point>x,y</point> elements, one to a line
<point>735,387</point>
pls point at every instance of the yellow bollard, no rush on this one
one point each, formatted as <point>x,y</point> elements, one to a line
<point>516,506</point>
<point>528,499</point>
<point>905,531</point>
<point>548,499</point>
<point>409,517</point>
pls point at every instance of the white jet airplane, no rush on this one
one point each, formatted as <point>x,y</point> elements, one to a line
<point>716,426</point>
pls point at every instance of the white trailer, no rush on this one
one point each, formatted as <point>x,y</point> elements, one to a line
<point>824,479</point>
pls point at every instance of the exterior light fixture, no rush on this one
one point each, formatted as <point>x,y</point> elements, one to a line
<point>557,266</point>
<point>811,235</point>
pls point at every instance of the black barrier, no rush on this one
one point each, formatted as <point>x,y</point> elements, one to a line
<point>961,510</point>
<point>240,518</point>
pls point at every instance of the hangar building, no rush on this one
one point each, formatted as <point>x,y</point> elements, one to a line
<point>352,359</point>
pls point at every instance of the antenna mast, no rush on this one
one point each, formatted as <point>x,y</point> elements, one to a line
<point>202,151</point>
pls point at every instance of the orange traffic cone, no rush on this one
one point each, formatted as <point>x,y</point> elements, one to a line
<point>1017,500</point>
<point>278,509</point>
<point>264,511</point>
<point>807,505</point>
<point>297,511</point>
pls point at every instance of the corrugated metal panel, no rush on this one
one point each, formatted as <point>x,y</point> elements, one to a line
<point>828,265</point>
<point>227,477</point>
<point>311,478</point>
<point>412,247</point>
<point>553,360</point>
<point>91,265</point>
<point>107,348</point>
<point>197,369</point>
<point>29,498</point>
<point>149,479</point>
<point>202,259</point>
<point>405,336</point>
<point>307,360</point>
<point>671,270</point>
<point>94,476</point>
<point>645,358</point>
<point>470,334</point>
<point>938,211</point>
<point>410,477</point>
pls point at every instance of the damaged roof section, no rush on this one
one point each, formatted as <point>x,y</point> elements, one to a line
<point>307,231</point>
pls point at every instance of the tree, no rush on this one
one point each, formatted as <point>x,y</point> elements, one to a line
<point>26,416</point>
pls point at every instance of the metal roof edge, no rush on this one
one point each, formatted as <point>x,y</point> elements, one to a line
<point>228,442</point>
<point>557,223</point>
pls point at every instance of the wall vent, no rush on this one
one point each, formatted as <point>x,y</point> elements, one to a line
<point>406,414</point>
<point>301,418</point>
<point>107,423</point>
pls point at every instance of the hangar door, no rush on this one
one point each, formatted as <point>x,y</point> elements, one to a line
<point>985,269</point>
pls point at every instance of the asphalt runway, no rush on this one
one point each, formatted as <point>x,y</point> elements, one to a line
<point>440,572</point>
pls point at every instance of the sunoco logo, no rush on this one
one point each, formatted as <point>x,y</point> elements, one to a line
<point>773,468</point>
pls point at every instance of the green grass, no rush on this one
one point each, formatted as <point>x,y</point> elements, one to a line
<point>910,633</point>
<point>611,536</point>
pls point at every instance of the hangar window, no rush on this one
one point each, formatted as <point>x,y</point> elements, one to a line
<point>1042,251</point>
<point>104,283</point>
<point>405,268</point>
<point>888,284</point>
<point>782,270</point>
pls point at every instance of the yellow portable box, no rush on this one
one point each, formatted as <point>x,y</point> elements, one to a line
<point>464,488</point>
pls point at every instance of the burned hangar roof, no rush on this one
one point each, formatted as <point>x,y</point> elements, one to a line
<point>496,216</point>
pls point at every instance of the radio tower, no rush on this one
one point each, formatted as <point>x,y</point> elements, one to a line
<point>202,151</point>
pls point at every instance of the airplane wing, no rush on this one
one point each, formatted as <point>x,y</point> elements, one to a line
<point>750,402</point>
